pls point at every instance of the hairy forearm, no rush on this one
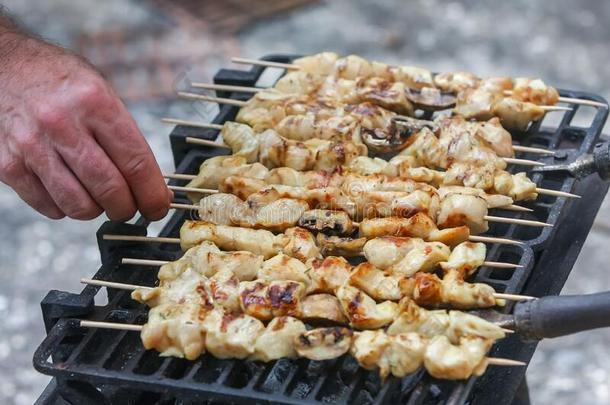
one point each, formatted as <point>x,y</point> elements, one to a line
<point>11,34</point>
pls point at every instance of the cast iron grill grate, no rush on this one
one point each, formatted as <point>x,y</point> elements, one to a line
<point>96,365</point>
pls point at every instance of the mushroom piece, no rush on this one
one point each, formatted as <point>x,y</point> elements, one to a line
<point>430,99</point>
<point>323,343</point>
<point>401,130</point>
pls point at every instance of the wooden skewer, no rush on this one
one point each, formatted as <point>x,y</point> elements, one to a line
<point>227,87</point>
<point>514,297</point>
<point>193,190</point>
<point>110,325</point>
<point>501,265</point>
<point>497,361</point>
<point>530,149</point>
<point>514,207</point>
<point>111,284</point>
<point>136,238</point>
<point>176,121</point>
<point>143,262</point>
<point>522,162</point>
<point>179,176</point>
<point>517,221</point>
<point>219,100</point>
<point>178,206</point>
<point>205,142</point>
<point>258,62</point>
<point>556,193</point>
<point>581,101</point>
<point>550,108</point>
<point>491,239</point>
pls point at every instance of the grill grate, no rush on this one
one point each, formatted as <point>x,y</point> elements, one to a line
<point>102,365</point>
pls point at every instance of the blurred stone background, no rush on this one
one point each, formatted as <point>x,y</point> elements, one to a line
<point>148,48</point>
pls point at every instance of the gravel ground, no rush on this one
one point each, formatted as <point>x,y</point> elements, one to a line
<point>564,42</point>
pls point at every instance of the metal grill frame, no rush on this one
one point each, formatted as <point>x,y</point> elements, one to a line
<point>96,365</point>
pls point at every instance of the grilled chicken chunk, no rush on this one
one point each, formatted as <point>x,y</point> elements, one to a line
<point>283,267</point>
<point>465,258</point>
<point>375,282</point>
<point>418,226</point>
<point>362,311</point>
<point>456,81</point>
<point>443,359</point>
<point>224,290</point>
<point>534,91</point>
<point>231,335</point>
<point>462,209</point>
<point>323,343</point>
<point>300,244</point>
<point>429,290</point>
<point>328,274</point>
<point>213,170</point>
<point>176,330</point>
<point>241,139</point>
<point>321,64</point>
<point>517,114</point>
<point>386,251</point>
<point>423,258</point>
<point>298,82</point>
<point>257,241</point>
<point>322,307</point>
<point>430,323</point>
<point>277,340</point>
<point>268,299</point>
<point>413,318</point>
<point>208,260</point>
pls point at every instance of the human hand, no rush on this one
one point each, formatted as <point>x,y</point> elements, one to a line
<point>68,145</point>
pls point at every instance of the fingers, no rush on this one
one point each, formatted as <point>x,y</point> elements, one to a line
<point>122,141</point>
<point>64,188</point>
<point>97,173</point>
<point>31,190</point>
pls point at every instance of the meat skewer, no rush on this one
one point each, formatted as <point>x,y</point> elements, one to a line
<point>453,325</point>
<point>261,209</point>
<point>333,347</point>
<point>306,122</point>
<point>469,174</point>
<point>467,78</point>
<point>396,90</point>
<point>258,89</point>
<point>301,244</point>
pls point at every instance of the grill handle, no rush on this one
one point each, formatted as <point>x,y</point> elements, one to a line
<point>555,316</point>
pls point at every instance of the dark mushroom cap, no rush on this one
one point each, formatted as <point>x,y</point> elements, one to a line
<point>430,99</point>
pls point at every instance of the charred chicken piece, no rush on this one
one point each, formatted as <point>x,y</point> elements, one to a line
<point>277,340</point>
<point>268,299</point>
<point>328,274</point>
<point>362,311</point>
